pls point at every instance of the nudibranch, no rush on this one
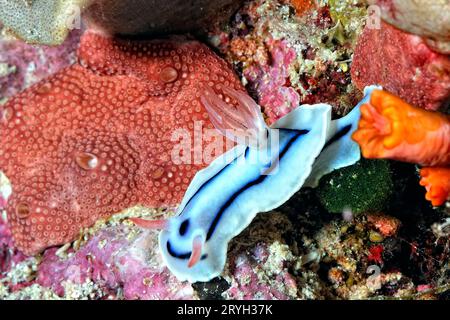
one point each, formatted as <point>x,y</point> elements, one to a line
<point>392,129</point>
<point>97,137</point>
<point>266,167</point>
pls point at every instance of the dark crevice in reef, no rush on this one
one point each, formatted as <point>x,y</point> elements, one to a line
<point>415,251</point>
<point>306,214</point>
<point>445,295</point>
<point>211,290</point>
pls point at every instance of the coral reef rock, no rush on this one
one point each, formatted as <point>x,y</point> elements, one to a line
<point>286,59</point>
<point>41,21</point>
<point>113,258</point>
<point>156,16</point>
<point>428,19</point>
<point>23,65</point>
<point>404,65</point>
<point>50,21</point>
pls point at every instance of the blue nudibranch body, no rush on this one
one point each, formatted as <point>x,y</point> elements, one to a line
<point>262,172</point>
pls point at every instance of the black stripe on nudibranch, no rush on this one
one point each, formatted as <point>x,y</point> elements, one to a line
<point>184,227</point>
<point>251,184</point>
<point>212,178</point>
<point>261,178</point>
<point>338,135</point>
<point>183,256</point>
<point>246,152</point>
<point>185,224</point>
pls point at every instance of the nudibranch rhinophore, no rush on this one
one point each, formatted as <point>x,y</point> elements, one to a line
<point>390,128</point>
<point>264,170</point>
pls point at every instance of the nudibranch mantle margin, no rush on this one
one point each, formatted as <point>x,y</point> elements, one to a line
<point>223,198</point>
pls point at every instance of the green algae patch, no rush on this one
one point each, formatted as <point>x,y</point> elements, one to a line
<point>349,17</point>
<point>364,187</point>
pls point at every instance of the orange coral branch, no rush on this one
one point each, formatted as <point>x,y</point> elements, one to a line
<point>437,182</point>
<point>392,129</point>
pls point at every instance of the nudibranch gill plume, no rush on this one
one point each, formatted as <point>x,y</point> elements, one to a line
<point>264,170</point>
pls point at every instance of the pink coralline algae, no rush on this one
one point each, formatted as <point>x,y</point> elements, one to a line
<point>8,254</point>
<point>271,81</point>
<point>404,65</point>
<point>2,203</point>
<point>25,64</point>
<point>261,274</point>
<point>113,261</point>
<point>98,137</point>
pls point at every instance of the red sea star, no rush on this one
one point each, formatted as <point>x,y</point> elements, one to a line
<point>95,138</point>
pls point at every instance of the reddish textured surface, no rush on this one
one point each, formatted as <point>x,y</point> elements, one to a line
<point>95,138</point>
<point>2,203</point>
<point>426,19</point>
<point>404,65</point>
